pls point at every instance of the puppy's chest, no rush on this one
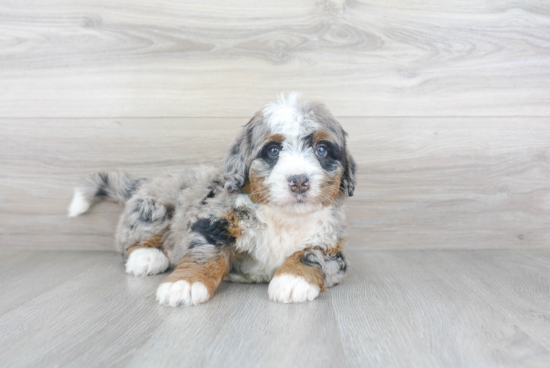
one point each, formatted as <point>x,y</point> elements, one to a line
<point>269,239</point>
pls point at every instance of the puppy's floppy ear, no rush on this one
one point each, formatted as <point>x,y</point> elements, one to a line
<point>238,159</point>
<point>348,177</point>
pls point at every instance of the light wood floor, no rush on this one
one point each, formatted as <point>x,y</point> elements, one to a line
<point>478,308</point>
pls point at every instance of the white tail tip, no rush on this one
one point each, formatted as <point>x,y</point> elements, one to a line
<point>79,204</point>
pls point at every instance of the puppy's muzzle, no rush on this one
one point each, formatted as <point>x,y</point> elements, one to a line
<point>298,183</point>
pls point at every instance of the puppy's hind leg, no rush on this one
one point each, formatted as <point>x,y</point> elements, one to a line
<point>147,258</point>
<point>140,235</point>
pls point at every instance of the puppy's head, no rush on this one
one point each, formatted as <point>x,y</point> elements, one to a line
<point>291,156</point>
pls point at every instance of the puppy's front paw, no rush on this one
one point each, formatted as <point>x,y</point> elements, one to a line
<point>292,289</point>
<point>181,292</point>
<point>146,261</point>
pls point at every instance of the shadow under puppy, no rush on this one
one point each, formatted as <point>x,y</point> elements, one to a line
<point>273,212</point>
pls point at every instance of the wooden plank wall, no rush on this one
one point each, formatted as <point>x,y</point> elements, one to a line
<point>447,105</point>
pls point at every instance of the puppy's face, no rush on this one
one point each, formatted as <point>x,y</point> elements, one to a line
<point>293,157</point>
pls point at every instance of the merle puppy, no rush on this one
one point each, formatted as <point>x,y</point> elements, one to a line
<point>273,212</point>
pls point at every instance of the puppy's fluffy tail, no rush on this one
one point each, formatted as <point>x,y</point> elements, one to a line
<point>115,186</point>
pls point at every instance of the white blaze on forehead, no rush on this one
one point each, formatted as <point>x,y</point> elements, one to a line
<point>286,116</point>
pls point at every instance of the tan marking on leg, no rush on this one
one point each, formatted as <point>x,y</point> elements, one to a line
<point>209,271</point>
<point>295,267</point>
<point>233,229</point>
<point>154,242</point>
<point>336,249</point>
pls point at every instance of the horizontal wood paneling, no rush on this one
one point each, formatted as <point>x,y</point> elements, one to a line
<point>144,58</point>
<point>423,182</point>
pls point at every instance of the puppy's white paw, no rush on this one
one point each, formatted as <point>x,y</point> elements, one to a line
<point>292,289</point>
<point>146,261</point>
<point>181,292</point>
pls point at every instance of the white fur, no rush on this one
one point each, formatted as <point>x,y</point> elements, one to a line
<point>79,204</point>
<point>296,161</point>
<point>146,261</point>
<point>292,289</point>
<point>277,235</point>
<point>286,116</point>
<point>181,292</point>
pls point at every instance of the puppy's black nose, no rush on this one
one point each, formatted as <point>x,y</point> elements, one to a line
<point>298,183</point>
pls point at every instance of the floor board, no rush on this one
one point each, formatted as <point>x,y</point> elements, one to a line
<point>19,273</point>
<point>469,308</point>
<point>422,308</point>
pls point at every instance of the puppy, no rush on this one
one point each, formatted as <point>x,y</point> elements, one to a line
<point>273,212</point>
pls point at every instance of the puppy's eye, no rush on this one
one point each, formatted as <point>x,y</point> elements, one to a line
<point>273,152</point>
<point>321,151</point>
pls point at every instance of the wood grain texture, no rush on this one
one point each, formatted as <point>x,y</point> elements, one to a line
<point>478,308</point>
<point>422,183</point>
<point>103,317</point>
<point>143,58</point>
<point>445,309</point>
<point>253,332</point>
<point>21,273</point>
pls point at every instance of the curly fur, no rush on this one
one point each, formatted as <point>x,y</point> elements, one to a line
<point>242,221</point>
